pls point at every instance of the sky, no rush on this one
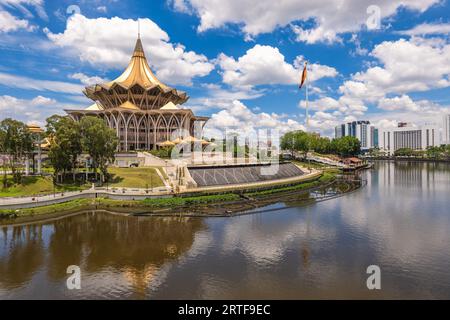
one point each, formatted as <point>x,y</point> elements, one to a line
<point>239,60</point>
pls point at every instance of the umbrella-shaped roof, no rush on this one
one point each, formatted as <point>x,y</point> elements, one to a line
<point>177,140</point>
<point>166,143</point>
<point>191,139</point>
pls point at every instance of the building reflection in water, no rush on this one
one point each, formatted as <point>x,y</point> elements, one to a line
<point>21,254</point>
<point>130,247</point>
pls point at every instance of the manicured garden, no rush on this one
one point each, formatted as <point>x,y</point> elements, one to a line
<point>35,185</point>
<point>134,178</point>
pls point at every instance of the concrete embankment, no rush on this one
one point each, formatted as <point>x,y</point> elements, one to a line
<point>136,194</point>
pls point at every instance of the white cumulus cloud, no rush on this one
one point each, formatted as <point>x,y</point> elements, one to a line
<point>330,17</point>
<point>237,117</point>
<point>110,42</point>
<point>265,64</point>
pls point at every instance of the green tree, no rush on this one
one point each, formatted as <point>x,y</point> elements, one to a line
<point>69,135</point>
<point>303,142</point>
<point>17,143</point>
<point>100,142</point>
<point>4,157</point>
<point>59,159</point>
<point>53,123</point>
<point>320,144</point>
<point>66,139</point>
<point>287,142</point>
<point>346,146</point>
<point>404,152</point>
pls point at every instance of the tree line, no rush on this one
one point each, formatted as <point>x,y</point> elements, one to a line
<point>441,152</point>
<point>304,142</point>
<point>16,143</point>
<point>68,140</point>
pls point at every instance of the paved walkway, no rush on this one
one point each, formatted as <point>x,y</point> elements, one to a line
<point>119,193</point>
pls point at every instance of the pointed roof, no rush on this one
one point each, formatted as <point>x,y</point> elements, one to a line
<point>34,128</point>
<point>129,105</point>
<point>94,107</point>
<point>169,106</point>
<point>138,71</point>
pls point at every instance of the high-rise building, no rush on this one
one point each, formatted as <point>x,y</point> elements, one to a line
<point>339,131</point>
<point>408,136</point>
<point>446,129</point>
<point>362,130</point>
<point>374,137</point>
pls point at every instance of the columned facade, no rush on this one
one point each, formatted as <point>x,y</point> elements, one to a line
<point>143,130</point>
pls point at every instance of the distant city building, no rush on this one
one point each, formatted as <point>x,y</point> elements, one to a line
<point>446,129</point>
<point>366,133</point>
<point>408,136</point>
<point>374,138</point>
<point>339,131</point>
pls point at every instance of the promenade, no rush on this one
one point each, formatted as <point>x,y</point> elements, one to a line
<point>14,203</point>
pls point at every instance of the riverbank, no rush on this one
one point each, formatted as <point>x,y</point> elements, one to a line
<point>205,204</point>
<point>408,159</point>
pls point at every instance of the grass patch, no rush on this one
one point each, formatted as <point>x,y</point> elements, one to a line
<point>72,205</point>
<point>134,178</point>
<point>35,185</point>
<point>80,204</point>
<point>169,202</point>
<point>325,178</point>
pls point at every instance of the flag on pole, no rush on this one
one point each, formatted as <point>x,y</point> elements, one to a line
<point>304,74</point>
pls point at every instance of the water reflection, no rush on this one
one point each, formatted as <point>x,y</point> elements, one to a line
<point>399,221</point>
<point>133,249</point>
<point>25,256</point>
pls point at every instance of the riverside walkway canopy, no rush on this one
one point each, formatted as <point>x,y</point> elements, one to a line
<point>141,109</point>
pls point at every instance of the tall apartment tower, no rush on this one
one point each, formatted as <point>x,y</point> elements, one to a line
<point>366,133</point>
<point>446,129</point>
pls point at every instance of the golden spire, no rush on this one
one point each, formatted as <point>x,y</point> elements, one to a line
<point>138,70</point>
<point>139,29</point>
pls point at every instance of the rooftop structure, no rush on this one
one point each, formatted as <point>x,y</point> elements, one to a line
<point>141,109</point>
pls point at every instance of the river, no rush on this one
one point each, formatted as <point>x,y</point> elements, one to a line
<point>400,221</point>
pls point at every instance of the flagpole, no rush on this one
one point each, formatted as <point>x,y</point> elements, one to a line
<point>306,96</point>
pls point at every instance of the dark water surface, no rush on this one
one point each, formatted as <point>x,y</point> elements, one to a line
<point>399,221</point>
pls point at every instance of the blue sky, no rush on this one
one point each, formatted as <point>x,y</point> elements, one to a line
<point>239,60</point>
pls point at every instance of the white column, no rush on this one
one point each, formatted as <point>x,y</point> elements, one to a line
<point>39,160</point>
<point>27,166</point>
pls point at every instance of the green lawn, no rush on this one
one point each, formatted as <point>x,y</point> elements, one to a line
<point>32,186</point>
<point>121,178</point>
<point>134,178</point>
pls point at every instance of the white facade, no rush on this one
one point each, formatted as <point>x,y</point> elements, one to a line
<point>416,138</point>
<point>446,129</point>
<point>366,133</point>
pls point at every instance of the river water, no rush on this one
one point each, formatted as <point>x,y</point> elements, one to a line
<point>400,221</point>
